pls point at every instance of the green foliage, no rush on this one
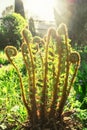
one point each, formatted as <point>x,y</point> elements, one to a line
<point>50,75</point>
<point>3,59</point>
<point>11,107</point>
<point>81,79</point>
<point>77,107</point>
<point>84,103</point>
<point>82,116</point>
<point>10,30</point>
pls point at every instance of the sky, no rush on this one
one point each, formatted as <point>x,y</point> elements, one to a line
<point>43,9</point>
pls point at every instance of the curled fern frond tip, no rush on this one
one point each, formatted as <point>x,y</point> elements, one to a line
<point>36,39</point>
<point>74,57</point>
<point>27,35</point>
<point>52,32</point>
<point>11,51</point>
<point>62,29</point>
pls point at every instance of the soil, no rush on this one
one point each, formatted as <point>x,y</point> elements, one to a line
<point>68,122</point>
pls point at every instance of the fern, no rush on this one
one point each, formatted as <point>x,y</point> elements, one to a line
<point>48,62</point>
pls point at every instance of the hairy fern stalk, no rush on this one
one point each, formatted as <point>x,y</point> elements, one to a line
<point>49,62</point>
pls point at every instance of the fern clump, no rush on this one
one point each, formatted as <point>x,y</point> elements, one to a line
<point>49,62</point>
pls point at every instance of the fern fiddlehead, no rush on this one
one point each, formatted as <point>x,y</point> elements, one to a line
<point>10,53</point>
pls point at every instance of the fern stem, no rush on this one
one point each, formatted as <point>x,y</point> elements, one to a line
<point>33,99</point>
<point>55,87</point>
<point>43,98</point>
<point>64,96</point>
<point>33,89</point>
<point>29,73</point>
<point>72,80</point>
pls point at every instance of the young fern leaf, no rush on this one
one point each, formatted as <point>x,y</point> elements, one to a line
<point>57,80</point>
<point>69,57</point>
<point>12,52</point>
<point>74,58</point>
<point>28,68</point>
<point>63,30</point>
<point>33,89</point>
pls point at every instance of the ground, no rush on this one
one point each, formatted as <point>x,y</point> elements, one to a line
<point>68,122</point>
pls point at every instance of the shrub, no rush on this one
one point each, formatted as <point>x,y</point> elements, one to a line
<point>84,103</point>
<point>10,30</point>
<point>80,85</point>
<point>3,59</point>
<point>50,76</point>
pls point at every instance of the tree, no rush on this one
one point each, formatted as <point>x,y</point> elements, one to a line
<point>10,30</point>
<point>32,26</point>
<point>75,16</point>
<point>19,7</point>
<point>8,10</point>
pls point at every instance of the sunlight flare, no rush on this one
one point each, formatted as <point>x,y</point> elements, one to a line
<point>43,9</point>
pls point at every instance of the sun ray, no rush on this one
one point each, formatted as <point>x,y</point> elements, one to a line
<point>41,8</point>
